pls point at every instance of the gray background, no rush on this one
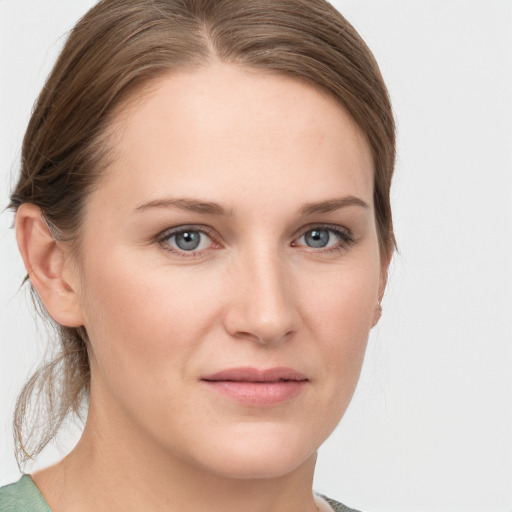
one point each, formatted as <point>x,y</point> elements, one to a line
<point>430,427</point>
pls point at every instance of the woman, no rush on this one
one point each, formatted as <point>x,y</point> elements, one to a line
<point>203,211</point>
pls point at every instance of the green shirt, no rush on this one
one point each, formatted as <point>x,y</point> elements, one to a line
<point>24,496</point>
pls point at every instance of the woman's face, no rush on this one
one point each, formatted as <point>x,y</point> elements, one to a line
<point>231,271</point>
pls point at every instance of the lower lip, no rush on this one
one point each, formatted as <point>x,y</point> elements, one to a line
<point>258,393</point>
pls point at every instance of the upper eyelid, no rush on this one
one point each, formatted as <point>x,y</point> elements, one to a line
<point>333,227</point>
<point>184,227</point>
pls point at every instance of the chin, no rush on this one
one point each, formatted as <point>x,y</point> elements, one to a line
<point>259,455</point>
<point>259,465</point>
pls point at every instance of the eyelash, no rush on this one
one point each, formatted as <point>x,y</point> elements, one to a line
<point>166,235</point>
<point>345,238</point>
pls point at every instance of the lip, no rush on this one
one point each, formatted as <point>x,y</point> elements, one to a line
<point>255,387</point>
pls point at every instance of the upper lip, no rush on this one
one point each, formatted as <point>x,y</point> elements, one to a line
<point>249,374</point>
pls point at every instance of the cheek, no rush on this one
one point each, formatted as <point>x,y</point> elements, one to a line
<point>340,310</point>
<point>141,318</point>
<point>343,300</point>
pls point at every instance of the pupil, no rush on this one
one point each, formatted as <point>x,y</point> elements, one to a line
<point>317,238</point>
<point>188,240</point>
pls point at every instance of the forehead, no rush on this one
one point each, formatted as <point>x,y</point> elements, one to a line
<point>224,128</point>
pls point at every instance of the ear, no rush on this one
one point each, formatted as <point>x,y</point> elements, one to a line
<point>384,268</point>
<point>48,266</point>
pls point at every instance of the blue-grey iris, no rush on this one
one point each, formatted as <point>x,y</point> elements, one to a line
<point>188,240</point>
<point>317,238</point>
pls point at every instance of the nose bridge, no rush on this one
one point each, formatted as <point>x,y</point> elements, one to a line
<point>263,302</point>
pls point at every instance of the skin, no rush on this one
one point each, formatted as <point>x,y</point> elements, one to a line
<point>263,148</point>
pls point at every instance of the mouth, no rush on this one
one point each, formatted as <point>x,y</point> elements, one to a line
<point>254,387</point>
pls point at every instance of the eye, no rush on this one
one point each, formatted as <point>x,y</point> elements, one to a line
<point>324,238</point>
<point>186,240</point>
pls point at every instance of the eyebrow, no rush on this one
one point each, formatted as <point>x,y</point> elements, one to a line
<point>204,207</point>
<point>211,208</point>
<point>332,205</point>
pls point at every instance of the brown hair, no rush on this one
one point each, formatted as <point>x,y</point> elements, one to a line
<point>116,49</point>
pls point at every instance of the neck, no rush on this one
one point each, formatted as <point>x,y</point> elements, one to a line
<point>111,468</point>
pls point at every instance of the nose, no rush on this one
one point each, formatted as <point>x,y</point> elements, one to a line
<point>262,306</point>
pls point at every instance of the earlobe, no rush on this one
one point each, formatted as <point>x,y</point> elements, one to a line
<point>47,266</point>
<point>377,315</point>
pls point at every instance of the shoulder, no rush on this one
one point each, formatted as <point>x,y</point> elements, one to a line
<point>23,496</point>
<point>337,506</point>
